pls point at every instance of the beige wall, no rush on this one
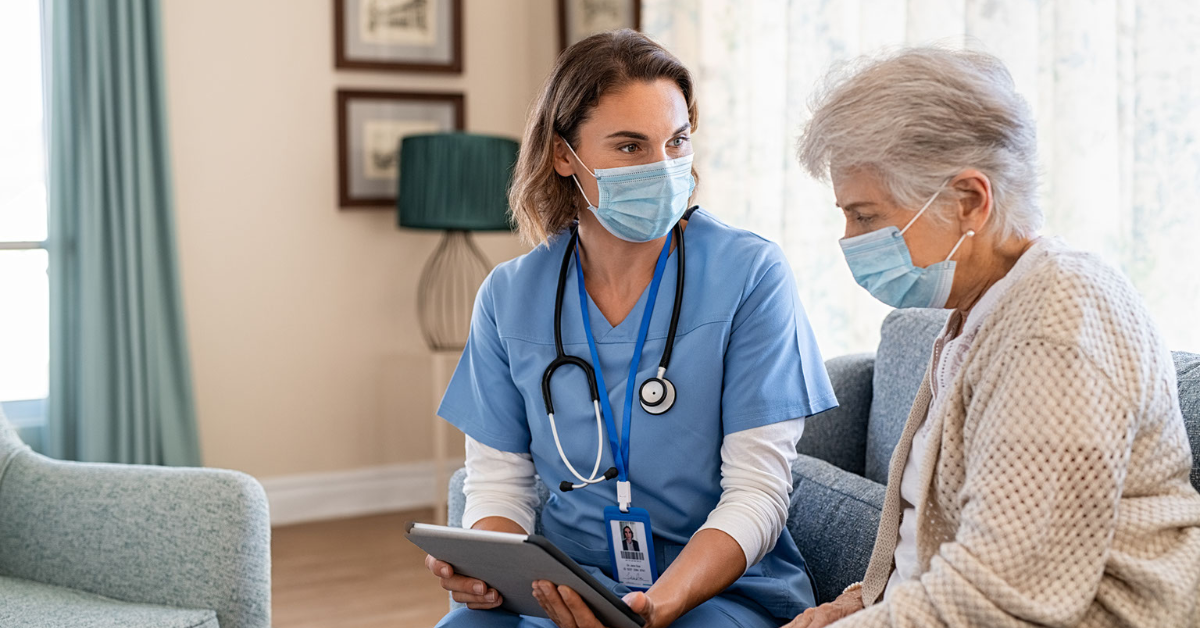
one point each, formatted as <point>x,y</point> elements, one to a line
<point>305,347</point>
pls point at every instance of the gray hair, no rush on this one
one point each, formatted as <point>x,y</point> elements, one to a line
<point>919,117</point>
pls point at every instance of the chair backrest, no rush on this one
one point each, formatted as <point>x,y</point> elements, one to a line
<point>905,347</point>
<point>10,442</point>
<point>1187,371</point>
<point>904,352</point>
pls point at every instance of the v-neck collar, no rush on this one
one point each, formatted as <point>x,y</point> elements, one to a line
<point>601,328</point>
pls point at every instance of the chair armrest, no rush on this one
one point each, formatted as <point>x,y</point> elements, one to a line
<point>839,436</point>
<point>456,500</point>
<point>190,538</point>
<point>833,517</point>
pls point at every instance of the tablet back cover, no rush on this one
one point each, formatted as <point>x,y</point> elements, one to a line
<point>511,568</point>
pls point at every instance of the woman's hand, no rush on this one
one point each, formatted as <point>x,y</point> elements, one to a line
<point>845,605</point>
<point>567,610</point>
<point>476,594</point>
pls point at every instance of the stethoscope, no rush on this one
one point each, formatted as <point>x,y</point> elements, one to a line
<point>656,394</point>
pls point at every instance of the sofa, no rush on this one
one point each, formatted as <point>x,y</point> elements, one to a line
<point>129,546</point>
<point>838,479</point>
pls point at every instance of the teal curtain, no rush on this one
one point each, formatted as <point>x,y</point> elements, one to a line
<point>120,383</point>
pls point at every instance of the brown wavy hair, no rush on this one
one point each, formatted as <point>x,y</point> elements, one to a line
<point>543,202</point>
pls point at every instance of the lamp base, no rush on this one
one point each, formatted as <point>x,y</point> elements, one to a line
<point>446,292</point>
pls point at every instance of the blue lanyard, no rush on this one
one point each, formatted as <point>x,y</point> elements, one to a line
<point>621,450</point>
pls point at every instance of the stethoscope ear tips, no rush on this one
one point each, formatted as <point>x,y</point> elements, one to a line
<point>611,473</point>
<point>566,486</point>
<point>657,395</point>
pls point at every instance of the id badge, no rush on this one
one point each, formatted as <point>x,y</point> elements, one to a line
<point>631,547</point>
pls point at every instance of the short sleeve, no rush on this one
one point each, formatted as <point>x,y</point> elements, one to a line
<point>482,400</point>
<point>773,368</point>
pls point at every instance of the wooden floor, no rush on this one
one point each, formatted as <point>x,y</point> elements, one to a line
<point>353,573</point>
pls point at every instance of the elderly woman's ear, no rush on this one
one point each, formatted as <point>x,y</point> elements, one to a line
<point>974,194</point>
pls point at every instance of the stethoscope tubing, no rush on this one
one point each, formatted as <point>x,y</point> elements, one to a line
<point>562,359</point>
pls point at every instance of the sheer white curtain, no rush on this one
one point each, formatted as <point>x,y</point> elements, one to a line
<point>1115,86</point>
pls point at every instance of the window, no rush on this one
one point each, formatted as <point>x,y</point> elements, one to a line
<point>1114,88</point>
<point>24,287</point>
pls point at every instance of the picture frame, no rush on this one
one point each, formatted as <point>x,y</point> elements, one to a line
<point>578,19</point>
<point>398,35</point>
<point>370,125</point>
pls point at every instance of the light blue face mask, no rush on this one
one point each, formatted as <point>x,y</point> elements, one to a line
<point>641,203</point>
<point>881,263</point>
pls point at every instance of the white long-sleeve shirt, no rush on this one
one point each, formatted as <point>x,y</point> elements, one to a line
<point>756,478</point>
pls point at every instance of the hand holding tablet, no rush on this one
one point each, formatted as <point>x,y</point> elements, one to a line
<point>512,563</point>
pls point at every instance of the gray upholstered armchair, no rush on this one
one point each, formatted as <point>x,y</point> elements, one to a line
<point>103,545</point>
<point>838,480</point>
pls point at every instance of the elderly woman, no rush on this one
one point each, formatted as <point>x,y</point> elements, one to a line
<point>1042,476</point>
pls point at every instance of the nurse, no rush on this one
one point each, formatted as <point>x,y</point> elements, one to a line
<point>688,332</point>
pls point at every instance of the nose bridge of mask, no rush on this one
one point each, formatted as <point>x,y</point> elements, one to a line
<point>615,175</point>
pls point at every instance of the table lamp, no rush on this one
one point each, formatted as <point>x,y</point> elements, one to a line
<point>456,183</point>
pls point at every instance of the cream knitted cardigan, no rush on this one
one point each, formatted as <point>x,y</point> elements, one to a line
<point>1056,476</point>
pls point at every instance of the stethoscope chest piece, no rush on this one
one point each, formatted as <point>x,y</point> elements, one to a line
<point>657,395</point>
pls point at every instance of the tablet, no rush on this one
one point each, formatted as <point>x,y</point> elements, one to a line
<point>509,563</point>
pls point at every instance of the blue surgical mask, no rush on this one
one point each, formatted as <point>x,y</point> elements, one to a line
<point>881,263</point>
<point>641,203</point>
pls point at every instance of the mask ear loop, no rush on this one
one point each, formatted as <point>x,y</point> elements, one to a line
<point>576,179</point>
<point>968,234</point>
<point>914,218</point>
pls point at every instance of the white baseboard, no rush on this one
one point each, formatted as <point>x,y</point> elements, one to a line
<point>354,493</point>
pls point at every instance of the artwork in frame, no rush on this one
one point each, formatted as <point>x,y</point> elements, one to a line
<point>399,35</point>
<point>370,125</point>
<point>577,19</point>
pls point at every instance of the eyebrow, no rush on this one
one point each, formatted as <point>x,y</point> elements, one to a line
<point>854,206</point>
<point>634,135</point>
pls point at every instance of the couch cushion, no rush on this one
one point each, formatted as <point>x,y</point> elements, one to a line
<point>26,604</point>
<point>1187,370</point>
<point>839,436</point>
<point>833,517</point>
<point>904,352</point>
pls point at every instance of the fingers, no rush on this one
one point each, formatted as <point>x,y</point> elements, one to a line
<point>804,620</point>
<point>439,568</point>
<point>639,603</point>
<point>551,601</point>
<point>464,584</point>
<point>479,601</point>
<point>827,614</point>
<point>583,615</point>
<point>823,619</point>
<point>470,591</point>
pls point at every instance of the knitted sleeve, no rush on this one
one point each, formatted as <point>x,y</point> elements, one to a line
<point>1043,471</point>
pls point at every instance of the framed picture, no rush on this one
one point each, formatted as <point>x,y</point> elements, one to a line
<point>578,19</point>
<point>400,35</point>
<point>370,125</point>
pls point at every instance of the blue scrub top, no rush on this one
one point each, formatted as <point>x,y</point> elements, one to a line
<point>744,357</point>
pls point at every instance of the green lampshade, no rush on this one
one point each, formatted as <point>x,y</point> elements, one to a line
<point>455,181</point>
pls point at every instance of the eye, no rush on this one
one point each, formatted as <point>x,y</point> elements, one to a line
<point>628,148</point>
<point>679,141</point>
<point>862,220</point>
